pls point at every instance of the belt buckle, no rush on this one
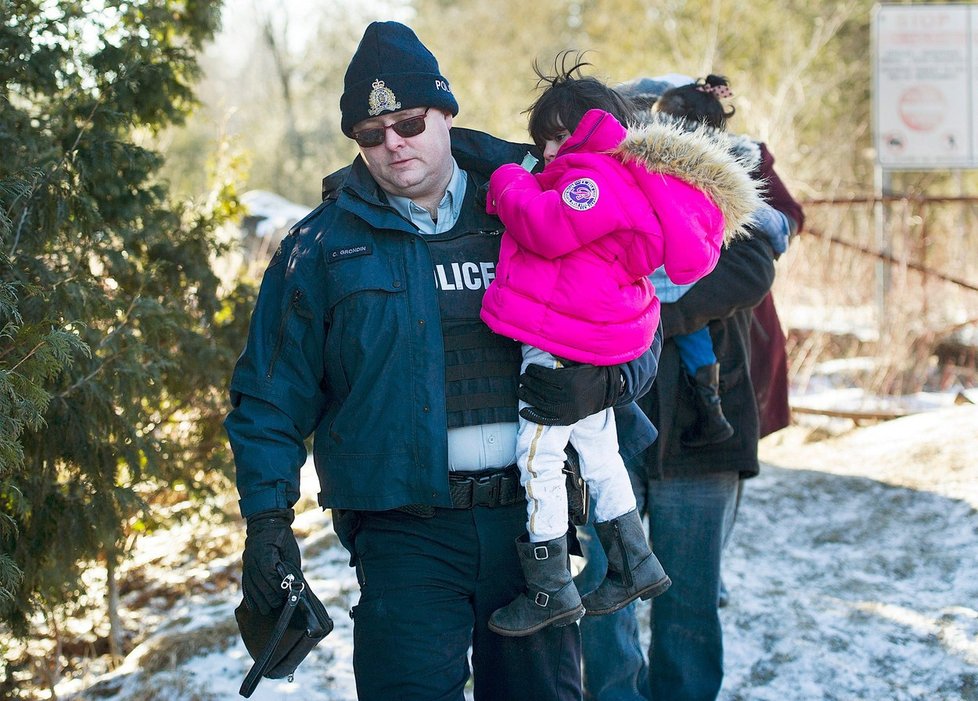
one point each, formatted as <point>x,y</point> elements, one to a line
<point>485,490</point>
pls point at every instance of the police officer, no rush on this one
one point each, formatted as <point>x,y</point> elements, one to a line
<point>366,335</point>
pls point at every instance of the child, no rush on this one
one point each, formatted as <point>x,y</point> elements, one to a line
<point>572,286</point>
<point>699,103</point>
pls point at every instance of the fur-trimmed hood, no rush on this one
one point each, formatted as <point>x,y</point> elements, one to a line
<point>741,146</point>
<point>704,157</point>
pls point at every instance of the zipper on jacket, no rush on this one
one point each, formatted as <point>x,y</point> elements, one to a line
<point>448,236</point>
<point>293,307</point>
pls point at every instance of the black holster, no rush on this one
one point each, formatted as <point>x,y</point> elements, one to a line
<point>578,498</point>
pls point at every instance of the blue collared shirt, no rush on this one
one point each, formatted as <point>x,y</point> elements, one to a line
<point>448,209</point>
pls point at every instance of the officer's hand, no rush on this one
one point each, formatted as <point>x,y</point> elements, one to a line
<point>563,396</point>
<point>270,542</point>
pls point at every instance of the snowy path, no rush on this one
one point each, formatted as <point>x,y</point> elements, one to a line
<point>845,588</point>
<point>853,576</point>
<point>854,569</point>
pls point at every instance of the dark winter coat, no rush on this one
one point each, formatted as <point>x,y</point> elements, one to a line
<point>724,300</point>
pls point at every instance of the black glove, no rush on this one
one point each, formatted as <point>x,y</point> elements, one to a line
<point>270,542</point>
<point>563,396</point>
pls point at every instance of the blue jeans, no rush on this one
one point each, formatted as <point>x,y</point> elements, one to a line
<point>687,519</point>
<point>614,663</point>
<point>727,529</point>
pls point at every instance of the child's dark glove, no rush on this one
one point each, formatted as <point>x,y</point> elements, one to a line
<point>563,396</point>
<point>270,542</point>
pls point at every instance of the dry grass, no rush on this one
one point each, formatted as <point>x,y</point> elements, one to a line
<point>169,651</point>
<point>168,686</point>
<point>830,284</point>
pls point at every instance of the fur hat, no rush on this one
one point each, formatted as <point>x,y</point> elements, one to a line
<point>390,71</point>
<point>645,91</point>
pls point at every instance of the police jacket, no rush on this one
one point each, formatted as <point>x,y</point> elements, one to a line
<point>346,345</point>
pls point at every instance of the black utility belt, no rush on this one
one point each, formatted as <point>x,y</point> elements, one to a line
<point>489,488</point>
<point>486,488</point>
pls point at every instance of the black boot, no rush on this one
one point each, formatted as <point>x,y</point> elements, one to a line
<point>550,597</point>
<point>712,426</point>
<point>633,570</point>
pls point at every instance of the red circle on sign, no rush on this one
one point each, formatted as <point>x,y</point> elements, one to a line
<point>922,107</point>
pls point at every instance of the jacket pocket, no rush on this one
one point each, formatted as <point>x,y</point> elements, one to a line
<point>351,277</point>
<point>295,310</point>
<point>365,307</point>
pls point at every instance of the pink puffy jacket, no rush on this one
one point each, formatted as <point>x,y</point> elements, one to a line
<point>583,235</point>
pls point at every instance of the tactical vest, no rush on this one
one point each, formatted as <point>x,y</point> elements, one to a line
<point>481,368</point>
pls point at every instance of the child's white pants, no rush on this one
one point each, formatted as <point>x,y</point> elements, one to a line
<point>540,457</point>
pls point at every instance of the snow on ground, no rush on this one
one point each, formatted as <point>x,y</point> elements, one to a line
<point>852,571</point>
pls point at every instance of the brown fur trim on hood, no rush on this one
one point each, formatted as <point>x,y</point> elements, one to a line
<point>703,158</point>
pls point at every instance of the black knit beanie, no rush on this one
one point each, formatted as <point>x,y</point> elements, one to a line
<point>390,71</point>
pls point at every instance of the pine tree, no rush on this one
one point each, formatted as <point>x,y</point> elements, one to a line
<point>115,339</point>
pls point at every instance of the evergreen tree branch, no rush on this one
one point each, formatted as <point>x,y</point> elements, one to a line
<point>26,357</point>
<point>67,156</point>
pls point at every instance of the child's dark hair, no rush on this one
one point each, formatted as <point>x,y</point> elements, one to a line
<point>568,95</point>
<point>698,102</point>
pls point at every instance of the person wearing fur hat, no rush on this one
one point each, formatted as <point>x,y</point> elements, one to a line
<point>702,104</point>
<point>366,335</point>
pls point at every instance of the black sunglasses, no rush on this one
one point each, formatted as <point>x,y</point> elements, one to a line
<point>405,128</point>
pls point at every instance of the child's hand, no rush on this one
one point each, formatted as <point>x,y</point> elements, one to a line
<point>502,178</point>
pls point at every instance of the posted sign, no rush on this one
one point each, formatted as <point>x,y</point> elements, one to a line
<point>926,86</point>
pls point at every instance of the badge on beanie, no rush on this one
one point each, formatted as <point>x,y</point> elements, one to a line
<point>382,99</point>
<point>581,194</point>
